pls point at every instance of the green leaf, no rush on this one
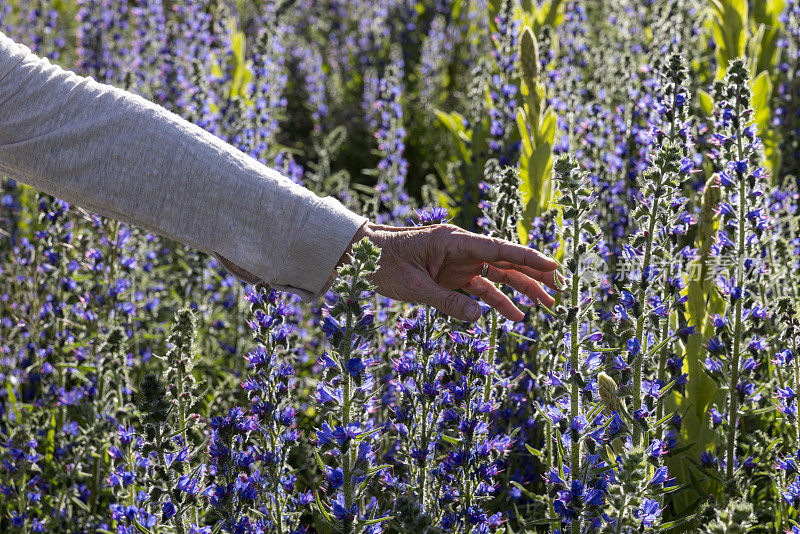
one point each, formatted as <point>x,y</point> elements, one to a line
<point>561,454</point>
<point>539,166</point>
<point>682,448</point>
<point>454,122</point>
<point>320,463</point>
<point>762,93</point>
<point>141,528</point>
<point>547,14</point>
<point>528,57</point>
<point>525,137</point>
<point>80,504</point>
<point>761,411</point>
<point>322,508</point>
<point>377,520</point>
<point>451,440</point>
<point>50,442</point>
<point>241,73</point>
<point>672,524</point>
<point>765,15</point>
<point>730,31</point>
<point>534,452</point>
<point>521,488</point>
<point>706,102</point>
<point>664,419</point>
<point>12,399</point>
<point>83,368</point>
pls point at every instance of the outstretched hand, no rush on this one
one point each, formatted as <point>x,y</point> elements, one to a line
<point>426,264</point>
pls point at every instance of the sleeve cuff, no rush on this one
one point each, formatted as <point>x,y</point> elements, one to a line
<point>327,232</point>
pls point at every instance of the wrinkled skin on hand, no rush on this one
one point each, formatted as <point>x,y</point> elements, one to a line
<point>425,264</point>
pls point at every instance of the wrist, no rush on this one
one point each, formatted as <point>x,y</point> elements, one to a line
<point>365,230</point>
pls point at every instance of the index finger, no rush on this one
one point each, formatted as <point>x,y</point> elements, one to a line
<point>490,249</point>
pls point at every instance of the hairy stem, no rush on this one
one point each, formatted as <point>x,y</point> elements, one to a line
<point>637,372</point>
<point>733,408</point>
<point>346,386</point>
<point>574,365</point>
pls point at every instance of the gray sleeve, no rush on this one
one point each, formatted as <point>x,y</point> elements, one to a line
<point>117,154</point>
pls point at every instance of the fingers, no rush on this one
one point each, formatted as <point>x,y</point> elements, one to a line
<point>492,296</point>
<point>492,250</point>
<point>552,279</point>
<point>521,283</point>
<point>451,303</point>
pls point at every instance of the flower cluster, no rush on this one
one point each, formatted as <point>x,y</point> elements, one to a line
<point>743,223</point>
<point>345,395</point>
<point>658,392</point>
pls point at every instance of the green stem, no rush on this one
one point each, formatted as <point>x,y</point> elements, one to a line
<point>796,389</point>
<point>621,514</point>
<point>346,457</point>
<point>637,372</point>
<point>574,366</point>
<point>662,372</point>
<point>466,480</point>
<point>487,387</point>
<point>548,433</point>
<point>278,513</point>
<point>181,406</point>
<point>424,422</point>
<point>177,519</point>
<point>782,504</point>
<point>662,362</point>
<point>733,399</point>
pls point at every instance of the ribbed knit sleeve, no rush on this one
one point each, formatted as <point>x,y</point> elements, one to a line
<point>115,153</point>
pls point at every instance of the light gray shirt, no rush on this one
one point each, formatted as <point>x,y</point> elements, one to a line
<point>119,155</point>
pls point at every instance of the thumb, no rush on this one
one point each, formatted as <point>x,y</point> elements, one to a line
<point>450,302</point>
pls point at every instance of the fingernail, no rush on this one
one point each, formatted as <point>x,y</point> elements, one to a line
<point>473,312</point>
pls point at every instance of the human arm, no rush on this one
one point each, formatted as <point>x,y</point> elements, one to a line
<point>115,153</point>
<point>121,156</point>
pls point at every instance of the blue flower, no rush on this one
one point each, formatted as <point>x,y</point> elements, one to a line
<point>435,215</point>
<point>579,423</point>
<point>355,366</point>
<point>716,417</point>
<point>621,314</point>
<point>335,478</point>
<point>554,413</point>
<point>594,497</point>
<point>715,346</point>
<point>708,459</point>
<point>615,425</point>
<point>649,512</point>
<point>561,509</point>
<point>656,448</point>
<point>660,477</point>
<point>331,327</point>
<point>725,179</point>
<point>340,510</point>
<point>784,357</point>
<point>126,434</point>
<point>168,510</point>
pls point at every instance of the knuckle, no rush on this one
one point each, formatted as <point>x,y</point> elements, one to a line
<point>446,229</point>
